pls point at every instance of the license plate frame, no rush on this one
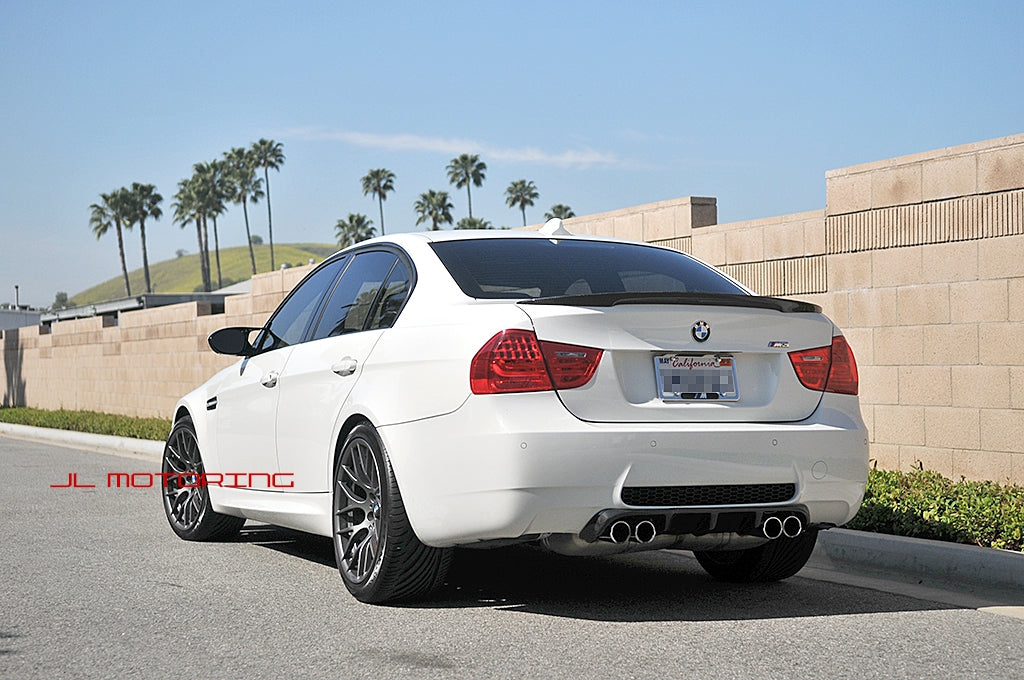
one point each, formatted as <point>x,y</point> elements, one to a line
<point>688,377</point>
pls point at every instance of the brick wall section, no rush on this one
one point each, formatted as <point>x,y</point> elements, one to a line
<point>774,256</point>
<point>926,276</point>
<point>919,259</point>
<point>139,367</point>
<point>673,220</point>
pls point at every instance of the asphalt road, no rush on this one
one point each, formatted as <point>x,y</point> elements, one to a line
<point>93,584</point>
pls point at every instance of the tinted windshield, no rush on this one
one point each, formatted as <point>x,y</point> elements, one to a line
<point>533,268</point>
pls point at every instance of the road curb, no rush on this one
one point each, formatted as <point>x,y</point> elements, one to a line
<point>919,560</point>
<point>103,443</point>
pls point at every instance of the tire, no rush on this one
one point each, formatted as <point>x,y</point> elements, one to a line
<point>378,554</point>
<point>187,504</point>
<point>772,561</point>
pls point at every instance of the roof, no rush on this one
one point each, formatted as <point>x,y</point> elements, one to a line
<point>476,234</point>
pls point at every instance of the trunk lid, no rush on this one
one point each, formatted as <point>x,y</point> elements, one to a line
<point>748,337</point>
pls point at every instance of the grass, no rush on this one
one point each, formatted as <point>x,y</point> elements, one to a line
<point>920,504</point>
<point>181,274</point>
<point>155,429</point>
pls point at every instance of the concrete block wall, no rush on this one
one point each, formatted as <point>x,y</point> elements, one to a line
<point>925,273</point>
<point>672,221</point>
<point>139,367</point>
<point>773,256</point>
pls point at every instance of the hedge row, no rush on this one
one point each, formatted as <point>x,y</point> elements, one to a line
<point>88,421</point>
<point>924,504</point>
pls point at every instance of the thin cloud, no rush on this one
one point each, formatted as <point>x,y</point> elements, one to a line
<point>584,157</point>
<point>640,137</point>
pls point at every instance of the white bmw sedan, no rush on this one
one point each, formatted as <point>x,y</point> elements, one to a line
<point>429,390</point>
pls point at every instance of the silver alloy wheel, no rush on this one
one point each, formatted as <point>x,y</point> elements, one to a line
<point>359,525</point>
<point>184,492</point>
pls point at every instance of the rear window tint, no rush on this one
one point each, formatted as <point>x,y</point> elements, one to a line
<point>534,268</point>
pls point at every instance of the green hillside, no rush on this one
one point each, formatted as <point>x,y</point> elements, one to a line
<point>182,275</point>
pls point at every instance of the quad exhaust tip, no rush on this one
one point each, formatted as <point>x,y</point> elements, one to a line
<point>792,526</point>
<point>644,532</point>
<point>621,532</point>
<point>774,527</point>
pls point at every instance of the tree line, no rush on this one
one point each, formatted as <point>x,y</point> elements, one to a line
<point>234,178</point>
<point>203,197</point>
<point>199,200</point>
<point>434,206</point>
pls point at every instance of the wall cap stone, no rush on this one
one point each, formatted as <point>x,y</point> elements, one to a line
<point>946,152</point>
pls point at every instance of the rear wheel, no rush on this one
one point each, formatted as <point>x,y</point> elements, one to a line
<point>186,498</point>
<point>772,561</point>
<point>378,554</point>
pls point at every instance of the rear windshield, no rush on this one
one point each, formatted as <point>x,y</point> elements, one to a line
<point>533,268</point>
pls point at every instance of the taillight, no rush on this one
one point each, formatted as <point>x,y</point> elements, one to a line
<point>570,365</point>
<point>827,369</point>
<point>515,361</point>
<point>842,376</point>
<point>811,366</point>
<point>509,362</point>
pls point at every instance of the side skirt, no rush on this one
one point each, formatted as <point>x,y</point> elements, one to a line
<point>310,512</point>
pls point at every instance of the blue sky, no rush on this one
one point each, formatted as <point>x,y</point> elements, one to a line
<point>602,105</point>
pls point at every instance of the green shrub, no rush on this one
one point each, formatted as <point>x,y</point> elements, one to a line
<point>89,421</point>
<point>924,504</point>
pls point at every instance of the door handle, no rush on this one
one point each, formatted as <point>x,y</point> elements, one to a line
<point>270,379</point>
<point>346,366</point>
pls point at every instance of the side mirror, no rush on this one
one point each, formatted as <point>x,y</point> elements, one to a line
<point>233,341</point>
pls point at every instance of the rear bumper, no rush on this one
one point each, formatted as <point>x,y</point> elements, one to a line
<point>506,466</point>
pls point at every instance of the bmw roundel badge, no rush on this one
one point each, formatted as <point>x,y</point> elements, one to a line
<point>701,331</point>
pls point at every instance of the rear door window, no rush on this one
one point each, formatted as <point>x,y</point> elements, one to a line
<point>393,297</point>
<point>289,323</point>
<point>348,308</point>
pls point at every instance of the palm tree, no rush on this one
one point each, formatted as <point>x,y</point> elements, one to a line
<point>465,170</point>
<point>113,211</point>
<point>434,206</point>
<point>213,187</point>
<point>187,209</point>
<point>247,188</point>
<point>352,230</point>
<point>144,203</point>
<point>199,201</point>
<point>561,211</point>
<point>379,182</point>
<point>473,223</point>
<point>268,154</point>
<point>521,193</point>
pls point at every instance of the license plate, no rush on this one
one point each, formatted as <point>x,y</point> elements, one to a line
<point>684,378</point>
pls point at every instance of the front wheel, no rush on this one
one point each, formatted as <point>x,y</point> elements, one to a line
<point>772,561</point>
<point>378,554</point>
<point>186,498</point>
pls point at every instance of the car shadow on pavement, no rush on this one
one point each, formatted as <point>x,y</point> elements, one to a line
<point>645,586</point>
<point>295,543</point>
<point>6,639</point>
